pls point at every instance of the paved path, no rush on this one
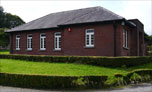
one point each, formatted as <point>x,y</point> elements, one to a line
<point>144,87</point>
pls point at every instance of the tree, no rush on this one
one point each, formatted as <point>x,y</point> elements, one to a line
<point>7,21</point>
<point>12,20</point>
<point>4,38</point>
<point>149,40</point>
<point>1,17</point>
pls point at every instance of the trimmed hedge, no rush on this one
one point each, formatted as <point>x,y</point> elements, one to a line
<point>91,60</point>
<point>52,82</point>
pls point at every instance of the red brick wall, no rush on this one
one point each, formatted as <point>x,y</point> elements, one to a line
<point>137,36</point>
<point>125,51</point>
<point>73,43</point>
<point>134,42</point>
<point>36,43</point>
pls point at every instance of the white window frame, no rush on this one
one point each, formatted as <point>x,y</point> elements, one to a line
<point>125,38</point>
<point>29,42</point>
<point>43,42</point>
<point>90,40</point>
<point>57,41</point>
<point>17,42</point>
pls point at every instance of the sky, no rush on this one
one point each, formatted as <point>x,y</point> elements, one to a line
<point>29,10</point>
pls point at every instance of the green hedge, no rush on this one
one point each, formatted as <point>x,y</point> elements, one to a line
<point>91,60</point>
<point>52,82</point>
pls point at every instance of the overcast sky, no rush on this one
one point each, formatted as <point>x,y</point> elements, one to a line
<point>29,10</point>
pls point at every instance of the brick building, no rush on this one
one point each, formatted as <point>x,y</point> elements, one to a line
<point>93,31</point>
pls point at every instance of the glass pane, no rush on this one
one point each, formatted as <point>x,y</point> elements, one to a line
<point>59,42</point>
<point>87,40</point>
<point>92,39</point>
<point>44,43</point>
<point>42,35</point>
<point>90,31</point>
<point>31,43</point>
<point>57,33</point>
<point>41,43</point>
<point>56,42</point>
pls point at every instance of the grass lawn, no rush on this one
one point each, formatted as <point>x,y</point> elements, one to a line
<point>4,52</point>
<point>61,69</point>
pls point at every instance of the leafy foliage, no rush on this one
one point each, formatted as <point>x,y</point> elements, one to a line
<point>149,40</point>
<point>4,38</point>
<point>7,21</point>
<point>149,45</point>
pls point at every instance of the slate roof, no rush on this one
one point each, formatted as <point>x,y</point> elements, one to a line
<point>93,14</point>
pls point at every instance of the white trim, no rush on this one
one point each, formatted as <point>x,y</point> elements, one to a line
<point>43,41</point>
<point>58,41</point>
<point>18,42</point>
<point>126,39</point>
<point>88,38</point>
<point>29,44</point>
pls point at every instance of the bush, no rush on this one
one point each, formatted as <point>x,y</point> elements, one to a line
<point>91,60</point>
<point>138,75</point>
<point>52,82</point>
<point>132,77</point>
<point>135,78</point>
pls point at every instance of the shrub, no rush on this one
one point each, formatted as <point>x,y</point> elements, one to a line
<point>135,78</point>
<point>138,75</point>
<point>91,60</point>
<point>119,80</point>
<point>52,82</point>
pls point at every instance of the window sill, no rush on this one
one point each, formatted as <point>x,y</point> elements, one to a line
<point>88,47</point>
<point>17,49</point>
<point>126,48</point>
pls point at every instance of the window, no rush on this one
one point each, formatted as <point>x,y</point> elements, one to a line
<point>29,42</point>
<point>57,41</point>
<point>89,38</point>
<point>17,42</point>
<point>125,38</point>
<point>42,41</point>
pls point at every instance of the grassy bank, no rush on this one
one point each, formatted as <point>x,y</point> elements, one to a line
<point>62,69</point>
<point>21,70</point>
